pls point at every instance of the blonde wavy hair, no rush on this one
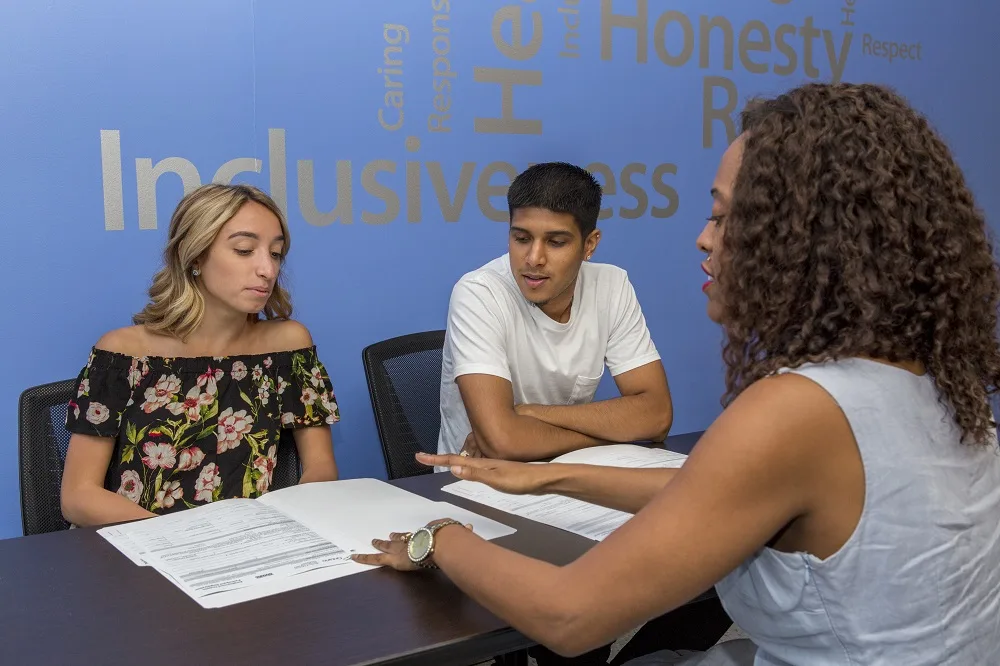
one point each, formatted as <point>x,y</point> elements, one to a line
<point>176,305</point>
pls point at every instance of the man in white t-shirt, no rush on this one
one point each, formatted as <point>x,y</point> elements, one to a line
<point>530,333</point>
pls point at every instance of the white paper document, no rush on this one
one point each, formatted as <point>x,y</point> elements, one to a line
<point>623,455</point>
<point>241,549</point>
<point>573,515</point>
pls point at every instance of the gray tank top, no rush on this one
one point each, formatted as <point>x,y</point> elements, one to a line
<point>918,582</point>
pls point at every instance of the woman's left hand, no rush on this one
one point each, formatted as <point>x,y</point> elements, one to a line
<point>393,551</point>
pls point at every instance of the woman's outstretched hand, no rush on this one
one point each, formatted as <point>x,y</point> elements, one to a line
<point>516,478</point>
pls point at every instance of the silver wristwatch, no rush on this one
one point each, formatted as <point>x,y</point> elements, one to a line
<point>420,545</point>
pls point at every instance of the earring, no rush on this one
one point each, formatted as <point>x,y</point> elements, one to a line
<point>195,272</point>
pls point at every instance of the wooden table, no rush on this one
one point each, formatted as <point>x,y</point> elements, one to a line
<point>70,598</point>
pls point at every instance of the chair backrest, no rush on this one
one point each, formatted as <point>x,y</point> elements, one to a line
<point>41,451</point>
<point>287,468</point>
<point>404,383</point>
<point>42,444</point>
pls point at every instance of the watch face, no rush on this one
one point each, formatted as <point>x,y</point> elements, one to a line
<point>419,544</point>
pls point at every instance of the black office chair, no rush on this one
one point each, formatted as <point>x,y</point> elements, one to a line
<point>42,443</point>
<point>404,383</point>
<point>288,467</point>
<point>41,451</point>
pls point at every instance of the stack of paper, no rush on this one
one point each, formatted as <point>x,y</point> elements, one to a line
<point>573,515</point>
<point>241,549</point>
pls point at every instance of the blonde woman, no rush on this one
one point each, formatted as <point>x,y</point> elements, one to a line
<point>187,405</point>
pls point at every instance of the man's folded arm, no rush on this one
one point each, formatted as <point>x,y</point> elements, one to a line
<point>502,433</point>
<point>643,412</point>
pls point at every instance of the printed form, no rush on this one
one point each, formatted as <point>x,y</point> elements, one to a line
<point>241,549</point>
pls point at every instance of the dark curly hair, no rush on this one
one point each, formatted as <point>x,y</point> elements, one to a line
<point>852,233</point>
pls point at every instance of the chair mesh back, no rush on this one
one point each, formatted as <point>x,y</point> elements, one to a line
<point>42,444</point>
<point>404,382</point>
<point>286,470</point>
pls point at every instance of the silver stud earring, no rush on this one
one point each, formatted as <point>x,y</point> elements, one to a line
<point>195,272</point>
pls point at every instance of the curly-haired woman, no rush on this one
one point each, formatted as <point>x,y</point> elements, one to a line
<point>846,504</point>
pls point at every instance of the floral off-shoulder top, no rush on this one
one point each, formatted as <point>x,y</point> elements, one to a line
<point>189,431</point>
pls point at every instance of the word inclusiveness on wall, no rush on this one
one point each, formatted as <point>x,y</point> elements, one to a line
<point>648,190</point>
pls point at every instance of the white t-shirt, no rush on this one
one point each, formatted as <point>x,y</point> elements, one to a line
<point>493,329</point>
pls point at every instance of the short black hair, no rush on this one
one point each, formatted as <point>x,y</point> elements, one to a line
<point>561,188</point>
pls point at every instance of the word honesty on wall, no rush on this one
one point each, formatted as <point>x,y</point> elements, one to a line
<point>676,37</point>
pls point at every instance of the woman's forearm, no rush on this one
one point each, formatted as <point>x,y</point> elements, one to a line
<point>93,506</point>
<point>621,488</point>
<point>319,472</point>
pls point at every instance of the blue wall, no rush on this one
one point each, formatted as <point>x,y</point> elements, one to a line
<point>95,94</point>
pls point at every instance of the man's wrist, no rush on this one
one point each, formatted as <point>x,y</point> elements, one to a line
<point>523,410</point>
<point>533,411</point>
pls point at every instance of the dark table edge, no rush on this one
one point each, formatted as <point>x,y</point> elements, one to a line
<point>461,652</point>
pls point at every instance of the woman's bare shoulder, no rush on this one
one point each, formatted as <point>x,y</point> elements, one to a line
<point>128,340</point>
<point>278,335</point>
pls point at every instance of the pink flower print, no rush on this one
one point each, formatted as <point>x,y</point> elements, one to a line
<point>208,379</point>
<point>309,396</point>
<point>76,409</point>
<point>97,413</point>
<point>239,370</point>
<point>161,394</point>
<point>330,406</point>
<point>169,493</point>
<point>134,374</point>
<point>316,376</point>
<point>263,394</point>
<point>231,429</point>
<point>131,485</point>
<point>287,418</point>
<point>159,455</point>
<point>258,372</point>
<point>282,385</point>
<point>190,459</point>
<point>84,388</point>
<point>267,362</point>
<point>207,482</point>
<point>265,465</point>
<point>192,403</point>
